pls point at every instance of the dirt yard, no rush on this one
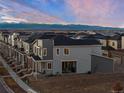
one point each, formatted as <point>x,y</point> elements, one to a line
<point>13,85</point>
<point>97,83</point>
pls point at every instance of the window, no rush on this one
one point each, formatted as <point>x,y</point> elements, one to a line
<point>35,49</point>
<point>40,51</point>
<point>49,65</point>
<point>66,51</point>
<point>68,66</point>
<point>27,47</point>
<point>57,51</point>
<point>44,51</point>
<point>113,44</point>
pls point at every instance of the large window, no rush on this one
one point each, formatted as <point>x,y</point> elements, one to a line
<point>66,51</point>
<point>44,51</point>
<point>68,66</point>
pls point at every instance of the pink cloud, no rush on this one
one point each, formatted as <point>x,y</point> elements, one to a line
<point>94,11</point>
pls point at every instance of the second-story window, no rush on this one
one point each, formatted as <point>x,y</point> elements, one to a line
<point>35,49</point>
<point>113,44</point>
<point>27,47</point>
<point>66,51</point>
<point>44,51</point>
<point>57,51</point>
<point>40,51</point>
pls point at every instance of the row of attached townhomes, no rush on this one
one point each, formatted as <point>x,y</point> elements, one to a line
<point>40,53</point>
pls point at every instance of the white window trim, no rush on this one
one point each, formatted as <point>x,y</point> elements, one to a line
<point>40,51</point>
<point>43,51</point>
<point>47,66</point>
<point>64,52</point>
<point>56,51</point>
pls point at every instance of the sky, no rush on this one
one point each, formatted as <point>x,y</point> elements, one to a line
<point>86,12</point>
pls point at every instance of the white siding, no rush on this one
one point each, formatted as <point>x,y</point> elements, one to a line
<point>81,54</point>
<point>26,47</point>
<point>103,42</point>
<point>122,42</point>
<point>115,46</point>
<point>96,50</point>
<point>38,44</point>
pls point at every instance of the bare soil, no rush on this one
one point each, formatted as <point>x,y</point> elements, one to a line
<point>13,85</point>
<point>95,83</point>
<point>3,71</point>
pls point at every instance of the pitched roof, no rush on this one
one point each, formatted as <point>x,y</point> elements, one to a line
<point>36,57</point>
<point>64,40</point>
<point>32,38</point>
<point>44,36</point>
<point>115,37</point>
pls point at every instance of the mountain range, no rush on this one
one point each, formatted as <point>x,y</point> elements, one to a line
<point>24,26</point>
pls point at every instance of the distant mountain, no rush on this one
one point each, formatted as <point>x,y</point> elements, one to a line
<point>23,26</point>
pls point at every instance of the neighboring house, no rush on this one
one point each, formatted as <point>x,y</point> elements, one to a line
<point>110,43</point>
<point>43,54</point>
<point>104,40</point>
<point>28,43</point>
<point>115,41</point>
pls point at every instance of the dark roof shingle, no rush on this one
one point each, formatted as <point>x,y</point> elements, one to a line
<point>64,40</point>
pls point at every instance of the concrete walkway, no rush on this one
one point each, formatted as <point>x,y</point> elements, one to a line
<point>16,78</point>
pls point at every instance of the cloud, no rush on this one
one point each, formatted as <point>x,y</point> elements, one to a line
<point>13,11</point>
<point>90,7</point>
<point>10,19</point>
<point>92,11</point>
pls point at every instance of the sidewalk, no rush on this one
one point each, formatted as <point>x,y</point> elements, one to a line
<point>16,78</point>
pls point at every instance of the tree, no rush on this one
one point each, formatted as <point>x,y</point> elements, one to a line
<point>117,88</point>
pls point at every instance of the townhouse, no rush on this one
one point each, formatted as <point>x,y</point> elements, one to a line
<point>72,55</point>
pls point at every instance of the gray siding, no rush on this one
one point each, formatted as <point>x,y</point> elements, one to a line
<point>101,64</point>
<point>47,43</point>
